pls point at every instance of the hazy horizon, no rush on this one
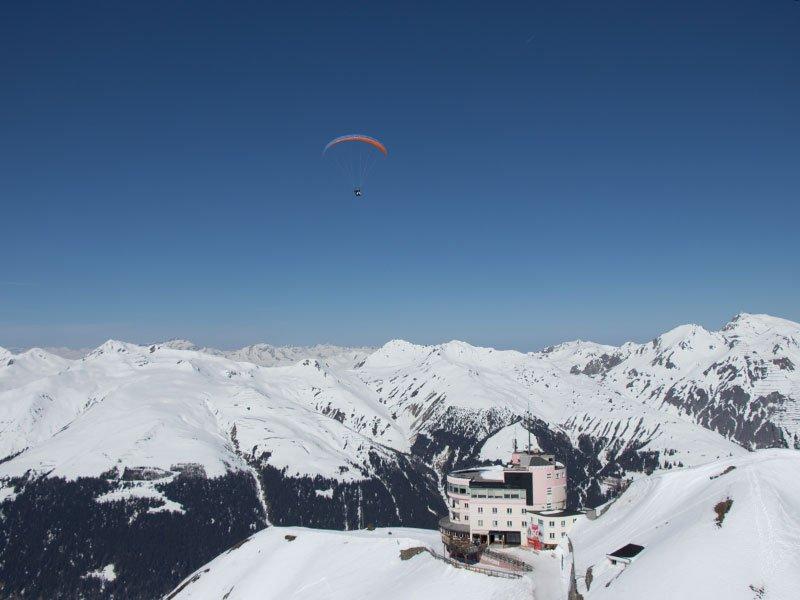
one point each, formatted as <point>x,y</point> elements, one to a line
<point>91,346</point>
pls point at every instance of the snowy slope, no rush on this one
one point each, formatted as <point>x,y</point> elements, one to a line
<point>127,406</point>
<point>482,389</point>
<point>686,554</point>
<point>341,565</point>
<point>18,369</point>
<point>742,382</point>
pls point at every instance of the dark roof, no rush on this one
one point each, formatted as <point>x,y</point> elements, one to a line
<point>534,461</point>
<point>627,551</point>
<point>446,523</point>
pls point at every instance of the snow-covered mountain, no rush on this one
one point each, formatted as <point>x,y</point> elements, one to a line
<point>212,445</point>
<point>696,545</point>
<point>741,382</point>
<point>267,355</point>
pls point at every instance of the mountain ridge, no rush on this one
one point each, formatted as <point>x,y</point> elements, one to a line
<point>170,439</point>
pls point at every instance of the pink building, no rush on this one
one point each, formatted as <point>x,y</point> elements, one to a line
<point>496,504</point>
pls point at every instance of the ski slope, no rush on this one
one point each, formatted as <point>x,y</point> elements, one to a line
<point>341,566</point>
<point>686,554</point>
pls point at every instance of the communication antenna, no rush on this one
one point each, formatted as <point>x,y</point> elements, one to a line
<point>527,424</point>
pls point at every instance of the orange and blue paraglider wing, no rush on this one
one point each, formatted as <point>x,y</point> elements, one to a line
<point>365,139</point>
<point>355,155</point>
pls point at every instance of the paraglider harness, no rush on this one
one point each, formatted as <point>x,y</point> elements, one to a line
<point>357,192</point>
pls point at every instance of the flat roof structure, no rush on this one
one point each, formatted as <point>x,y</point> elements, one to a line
<point>625,554</point>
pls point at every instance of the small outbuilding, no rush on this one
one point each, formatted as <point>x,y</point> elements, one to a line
<point>626,554</point>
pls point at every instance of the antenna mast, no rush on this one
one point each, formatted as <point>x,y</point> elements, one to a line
<point>527,424</point>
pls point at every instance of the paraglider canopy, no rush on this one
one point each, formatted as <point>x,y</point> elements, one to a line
<point>355,154</point>
<point>356,137</point>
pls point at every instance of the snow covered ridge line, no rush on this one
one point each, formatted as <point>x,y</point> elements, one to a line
<point>751,552</point>
<point>742,382</point>
<point>327,416</point>
<point>265,355</point>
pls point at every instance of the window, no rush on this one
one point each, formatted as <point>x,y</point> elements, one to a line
<point>552,523</point>
<point>509,524</point>
<point>549,490</point>
<point>462,490</point>
<point>494,510</point>
<point>466,517</point>
<point>563,534</point>
<point>548,475</point>
<point>541,523</point>
<point>552,536</point>
<point>480,522</point>
<point>524,523</point>
<point>480,509</point>
<point>509,511</point>
<point>494,523</point>
<point>563,523</point>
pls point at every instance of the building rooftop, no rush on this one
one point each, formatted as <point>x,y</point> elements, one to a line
<point>628,551</point>
<point>481,474</point>
<point>534,460</point>
<point>446,523</point>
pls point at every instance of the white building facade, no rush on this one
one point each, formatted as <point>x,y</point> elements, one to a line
<point>549,528</point>
<point>497,504</point>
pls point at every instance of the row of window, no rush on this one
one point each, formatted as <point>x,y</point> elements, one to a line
<point>509,511</point>
<point>456,489</point>
<point>495,494</point>
<point>508,523</point>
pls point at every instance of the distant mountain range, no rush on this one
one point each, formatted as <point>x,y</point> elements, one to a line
<point>265,355</point>
<point>183,451</point>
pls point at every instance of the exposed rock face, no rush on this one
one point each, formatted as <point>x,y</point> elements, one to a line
<point>739,382</point>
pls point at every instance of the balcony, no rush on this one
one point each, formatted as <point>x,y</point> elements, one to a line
<point>458,541</point>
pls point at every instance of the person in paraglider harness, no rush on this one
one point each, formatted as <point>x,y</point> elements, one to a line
<point>357,192</point>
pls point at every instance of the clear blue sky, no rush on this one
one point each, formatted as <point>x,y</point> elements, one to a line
<point>603,170</point>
